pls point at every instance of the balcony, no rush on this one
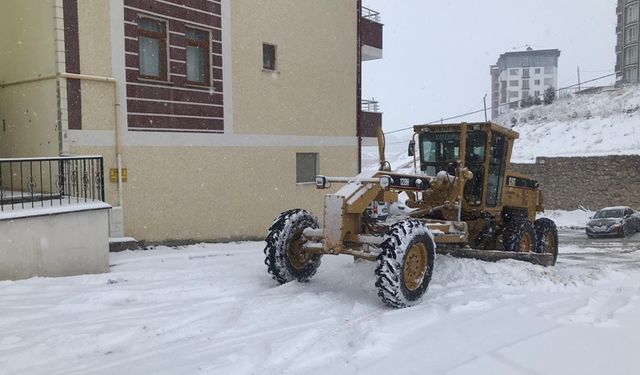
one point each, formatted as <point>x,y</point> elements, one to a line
<point>370,118</point>
<point>371,34</point>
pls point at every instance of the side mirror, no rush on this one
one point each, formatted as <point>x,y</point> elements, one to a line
<point>452,168</point>
<point>412,148</point>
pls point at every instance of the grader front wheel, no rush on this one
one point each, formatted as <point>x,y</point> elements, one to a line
<point>405,264</point>
<point>415,266</point>
<point>285,256</point>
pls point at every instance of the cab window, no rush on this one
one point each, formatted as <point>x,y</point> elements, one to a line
<point>497,161</point>
<point>474,160</point>
<point>437,150</point>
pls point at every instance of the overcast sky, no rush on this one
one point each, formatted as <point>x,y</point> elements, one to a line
<point>437,52</point>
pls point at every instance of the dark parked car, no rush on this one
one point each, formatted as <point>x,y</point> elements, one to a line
<point>614,221</point>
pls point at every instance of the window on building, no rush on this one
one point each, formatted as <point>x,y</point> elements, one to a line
<point>525,94</point>
<point>525,84</point>
<point>536,82</point>
<point>513,94</point>
<point>537,70</point>
<point>198,66</point>
<point>152,48</point>
<point>513,72</point>
<point>306,167</point>
<point>548,81</point>
<point>631,34</point>
<point>513,105</point>
<point>514,83</point>
<point>631,13</point>
<point>537,93</point>
<point>525,73</point>
<point>631,55</point>
<point>269,61</point>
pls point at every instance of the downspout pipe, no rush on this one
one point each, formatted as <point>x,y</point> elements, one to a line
<point>116,100</point>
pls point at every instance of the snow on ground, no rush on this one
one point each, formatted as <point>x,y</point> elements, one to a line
<point>212,309</point>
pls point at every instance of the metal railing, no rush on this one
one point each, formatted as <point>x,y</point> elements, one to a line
<point>371,15</point>
<point>370,106</point>
<point>48,182</point>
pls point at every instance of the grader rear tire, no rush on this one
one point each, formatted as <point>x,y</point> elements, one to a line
<point>405,264</point>
<point>284,256</point>
<point>547,238</point>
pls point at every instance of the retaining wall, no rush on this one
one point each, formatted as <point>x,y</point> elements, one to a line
<point>593,182</point>
<point>50,243</point>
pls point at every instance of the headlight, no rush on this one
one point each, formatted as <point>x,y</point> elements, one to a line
<point>419,183</point>
<point>322,182</point>
<point>616,226</point>
<point>385,182</point>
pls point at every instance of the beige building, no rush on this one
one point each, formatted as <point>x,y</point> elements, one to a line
<point>220,112</point>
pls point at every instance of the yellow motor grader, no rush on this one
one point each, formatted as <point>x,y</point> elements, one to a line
<point>462,200</point>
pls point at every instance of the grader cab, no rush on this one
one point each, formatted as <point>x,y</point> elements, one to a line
<point>464,201</point>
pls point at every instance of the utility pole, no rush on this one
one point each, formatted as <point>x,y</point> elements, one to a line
<point>579,78</point>
<point>485,108</point>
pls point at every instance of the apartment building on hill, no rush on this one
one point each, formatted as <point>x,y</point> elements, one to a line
<point>521,74</point>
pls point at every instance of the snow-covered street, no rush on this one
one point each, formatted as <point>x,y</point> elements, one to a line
<point>212,309</point>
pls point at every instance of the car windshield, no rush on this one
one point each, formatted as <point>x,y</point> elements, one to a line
<point>606,214</point>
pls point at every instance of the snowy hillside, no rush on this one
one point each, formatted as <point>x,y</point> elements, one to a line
<point>583,125</point>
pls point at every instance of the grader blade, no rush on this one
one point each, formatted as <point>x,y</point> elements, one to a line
<point>546,260</point>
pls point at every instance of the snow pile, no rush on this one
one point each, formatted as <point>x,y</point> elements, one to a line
<point>607,123</point>
<point>569,219</point>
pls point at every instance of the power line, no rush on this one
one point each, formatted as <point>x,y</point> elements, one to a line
<point>498,106</point>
